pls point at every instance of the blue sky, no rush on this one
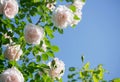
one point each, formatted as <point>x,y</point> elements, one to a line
<point>97,36</point>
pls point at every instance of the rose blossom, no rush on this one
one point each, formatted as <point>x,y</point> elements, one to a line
<point>78,13</point>
<point>13,52</point>
<point>33,34</point>
<point>78,4</point>
<point>57,68</point>
<point>11,75</point>
<point>62,16</point>
<point>9,8</point>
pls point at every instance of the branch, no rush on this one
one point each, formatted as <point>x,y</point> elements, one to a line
<point>39,20</point>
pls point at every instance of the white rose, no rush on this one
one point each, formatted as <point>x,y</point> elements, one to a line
<point>13,52</point>
<point>9,8</point>
<point>78,13</point>
<point>78,4</point>
<point>11,75</point>
<point>62,16</point>
<point>33,34</point>
<point>57,68</point>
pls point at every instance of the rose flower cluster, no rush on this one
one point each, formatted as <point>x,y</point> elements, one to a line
<point>62,17</point>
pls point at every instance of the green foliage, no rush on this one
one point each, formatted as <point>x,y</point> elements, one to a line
<point>31,61</point>
<point>32,64</point>
<point>54,48</point>
<point>84,1</point>
<point>86,74</point>
<point>72,69</point>
<point>116,80</point>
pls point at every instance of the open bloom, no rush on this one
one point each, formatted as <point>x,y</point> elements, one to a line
<point>78,4</point>
<point>11,75</point>
<point>77,13</point>
<point>57,68</point>
<point>33,34</point>
<point>9,8</point>
<point>62,16</point>
<point>13,52</point>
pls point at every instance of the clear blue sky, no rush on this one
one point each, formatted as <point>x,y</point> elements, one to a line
<point>97,36</point>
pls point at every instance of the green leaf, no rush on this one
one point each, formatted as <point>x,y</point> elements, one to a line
<point>44,57</point>
<point>76,17</point>
<point>55,48</point>
<point>60,80</point>
<point>60,31</point>
<point>73,26</point>
<point>70,76</point>
<point>49,31</point>
<point>84,1</point>
<point>116,80</point>
<point>101,71</point>
<point>95,79</point>
<point>29,19</point>
<point>55,28</point>
<point>82,58</point>
<point>72,69</point>
<point>73,8</point>
<point>35,1</point>
<point>5,41</point>
<point>31,64</point>
<point>86,66</point>
<point>81,75</point>
<point>44,66</point>
<point>74,80</point>
<point>38,58</point>
<point>51,54</point>
<point>61,0</point>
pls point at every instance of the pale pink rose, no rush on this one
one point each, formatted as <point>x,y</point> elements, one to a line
<point>57,70</point>
<point>13,52</point>
<point>78,4</point>
<point>10,8</point>
<point>78,13</point>
<point>62,16</point>
<point>11,75</point>
<point>33,34</point>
